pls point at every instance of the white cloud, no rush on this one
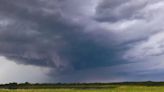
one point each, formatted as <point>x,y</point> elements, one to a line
<point>12,72</point>
<point>135,20</point>
<point>141,30</point>
<point>151,47</point>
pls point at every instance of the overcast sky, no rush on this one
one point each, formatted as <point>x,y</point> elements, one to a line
<point>81,40</point>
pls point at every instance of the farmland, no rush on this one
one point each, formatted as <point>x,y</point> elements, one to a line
<point>121,89</point>
<point>94,87</point>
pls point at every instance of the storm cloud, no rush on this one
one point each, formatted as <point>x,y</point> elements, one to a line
<point>74,37</point>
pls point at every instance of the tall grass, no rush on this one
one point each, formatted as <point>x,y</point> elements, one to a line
<point>117,89</point>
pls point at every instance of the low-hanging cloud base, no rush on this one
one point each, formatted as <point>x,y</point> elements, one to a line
<point>82,41</point>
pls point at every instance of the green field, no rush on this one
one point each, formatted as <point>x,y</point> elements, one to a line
<point>118,89</point>
<point>84,87</point>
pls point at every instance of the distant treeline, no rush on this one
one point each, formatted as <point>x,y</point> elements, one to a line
<point>27,85</point>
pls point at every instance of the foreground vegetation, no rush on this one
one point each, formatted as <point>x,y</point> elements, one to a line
<point>119,89</point>
<point>94,87</point>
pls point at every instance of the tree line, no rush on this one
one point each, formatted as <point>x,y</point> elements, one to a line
<point>28,85</point>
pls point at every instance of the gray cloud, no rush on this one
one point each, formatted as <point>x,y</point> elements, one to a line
<point>45,33</point>
<point>74,37</point>
<point>116,10</point>
<point>33,37</point>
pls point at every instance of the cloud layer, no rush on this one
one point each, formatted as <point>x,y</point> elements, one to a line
<point>74,37</point>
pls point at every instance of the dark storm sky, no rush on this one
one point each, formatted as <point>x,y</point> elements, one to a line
<point>82,40</point>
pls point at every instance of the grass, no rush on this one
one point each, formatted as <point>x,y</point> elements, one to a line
<point>116,89</point>
<point>85,87</point>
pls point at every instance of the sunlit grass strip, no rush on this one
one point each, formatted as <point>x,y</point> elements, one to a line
<point>118,89</point>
